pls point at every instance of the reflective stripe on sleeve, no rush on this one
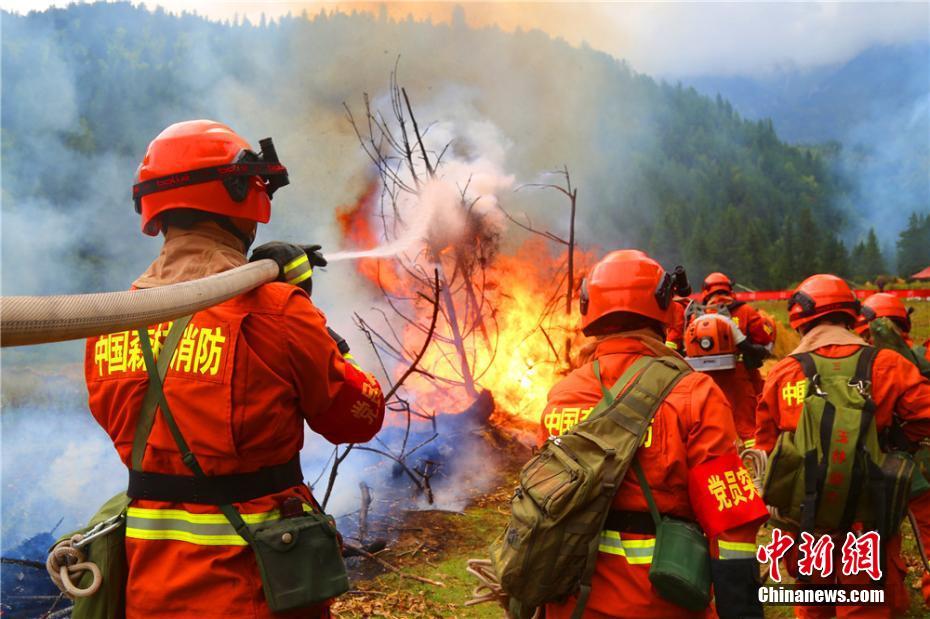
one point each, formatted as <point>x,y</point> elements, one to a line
<point>749,443</point>
<point>736,550</point>
<point>636,551</point>
<point>184,526</point>
<point>298,270</point>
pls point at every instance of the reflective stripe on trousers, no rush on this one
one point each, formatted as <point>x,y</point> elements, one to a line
<point>636,551</point>
<point>736,550</point>
<point>184,526</point>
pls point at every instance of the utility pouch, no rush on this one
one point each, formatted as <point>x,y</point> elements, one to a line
<point>680,570</point>
<point>108,551</point>
<point>300,561</point>
<point>899,471</point>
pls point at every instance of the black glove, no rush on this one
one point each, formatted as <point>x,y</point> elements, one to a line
<point>736,588</point>
<point>295,261</point>
<point>753,354</point>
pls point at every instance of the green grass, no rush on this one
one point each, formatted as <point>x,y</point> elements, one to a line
<point>449,540</point>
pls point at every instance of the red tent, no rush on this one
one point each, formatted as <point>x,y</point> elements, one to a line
<point>923,275</point>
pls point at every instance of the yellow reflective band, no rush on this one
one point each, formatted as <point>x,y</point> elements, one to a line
<point>350,359</point>
<point>672,345</point>
<point>186,536</point>
<point>736,550</point>
<point>179,514</point>
<point>635,551</point>
<point>301,277</point>
<point>750,443</point>
<point>296,262</point>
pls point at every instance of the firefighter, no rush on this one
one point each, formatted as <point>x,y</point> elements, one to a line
<point>823,310</point>
<point>885,305</point>
<point>754,337</point>
<point>691,443</point>
<point>245,377</point>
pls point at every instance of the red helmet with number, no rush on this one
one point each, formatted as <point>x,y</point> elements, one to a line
<point>884,305</point>
<point>627,280</point>
<point>819,295</point>
<point>205,166</point>
<point>716,283</point>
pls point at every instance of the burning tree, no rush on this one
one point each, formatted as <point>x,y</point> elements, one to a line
<point>462,319</point>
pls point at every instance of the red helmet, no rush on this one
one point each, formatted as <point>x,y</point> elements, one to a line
<point>884,305</point>
<point>627,280</point>
<point>205,166</point>
<point>717,282</point>
<point>819,295</point>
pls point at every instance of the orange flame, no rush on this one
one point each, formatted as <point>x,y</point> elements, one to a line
<point>519,347</point>
<point>355,224</point>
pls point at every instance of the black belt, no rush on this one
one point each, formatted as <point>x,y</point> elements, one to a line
<point>216,490</point>
<point>640,523</point>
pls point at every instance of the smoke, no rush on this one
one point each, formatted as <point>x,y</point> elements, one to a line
<point>68,225</point>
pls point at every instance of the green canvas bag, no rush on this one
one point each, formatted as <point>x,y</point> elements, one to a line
<point>549,548</point>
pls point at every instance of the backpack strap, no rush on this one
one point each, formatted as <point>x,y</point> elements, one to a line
<point>187,456</point>
<point>863,376</point>
<point>631,403</point>
<point>150,401</point>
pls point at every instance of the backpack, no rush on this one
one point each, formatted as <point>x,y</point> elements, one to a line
<point>832,470</point>
<point>549,548</point>
<point>885,334</point>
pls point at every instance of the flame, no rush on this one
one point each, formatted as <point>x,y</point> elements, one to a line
<point>356,225</point>
<point>518,346</point>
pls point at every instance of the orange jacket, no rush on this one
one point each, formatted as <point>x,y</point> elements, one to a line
<point>693,426</point>
<point>897,388</point>
<point>245,378</point>
<point>675,333</point>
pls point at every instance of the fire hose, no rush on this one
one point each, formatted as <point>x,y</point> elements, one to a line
<point>43,319</point>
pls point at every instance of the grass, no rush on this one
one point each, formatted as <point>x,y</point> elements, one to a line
<point>434,545</point>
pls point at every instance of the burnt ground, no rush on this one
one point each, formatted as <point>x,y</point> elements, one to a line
<point>435,544</point>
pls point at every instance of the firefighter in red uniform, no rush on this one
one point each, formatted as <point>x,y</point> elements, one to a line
<point>824,309</point>
<point>245,377</point>
<point>691,444</point>
<point>753,336</point>
<point>885,305</point>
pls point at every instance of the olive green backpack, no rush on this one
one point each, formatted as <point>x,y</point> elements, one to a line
<point>548,551</point>
<point>832,470</point>
<point>884,334</point>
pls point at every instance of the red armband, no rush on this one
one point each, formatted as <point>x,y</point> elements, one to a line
<point>723,496</point>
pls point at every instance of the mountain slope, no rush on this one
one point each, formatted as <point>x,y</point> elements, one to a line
<point>658,166</point>
<point>877,105</point>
